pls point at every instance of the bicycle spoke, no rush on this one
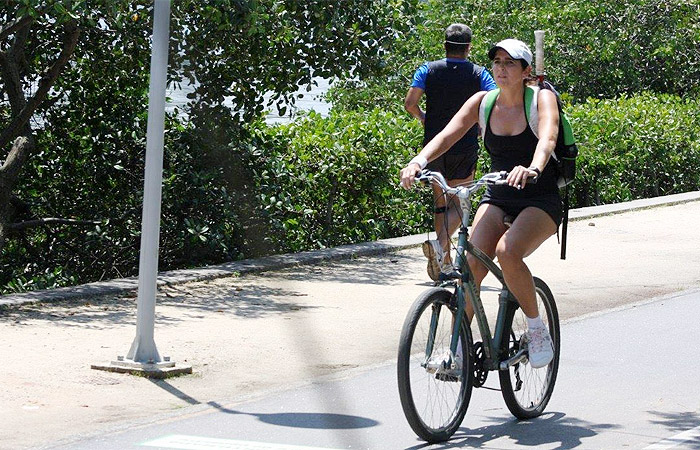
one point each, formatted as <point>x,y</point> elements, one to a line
<point>525,389</point>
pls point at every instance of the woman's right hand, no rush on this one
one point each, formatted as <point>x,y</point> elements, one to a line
<point>408,174</point>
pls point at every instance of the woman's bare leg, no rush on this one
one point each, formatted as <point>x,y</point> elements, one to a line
<point>487,229</point>
<point>529,230</point>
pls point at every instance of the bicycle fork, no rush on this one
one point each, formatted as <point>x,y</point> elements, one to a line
<point>445,361</point>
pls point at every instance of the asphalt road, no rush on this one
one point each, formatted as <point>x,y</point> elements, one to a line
<point>628,379</point>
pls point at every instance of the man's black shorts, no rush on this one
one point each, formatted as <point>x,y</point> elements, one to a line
<point>455,166</point>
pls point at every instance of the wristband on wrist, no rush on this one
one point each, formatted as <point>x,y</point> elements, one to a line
<point>420,160</point>
<point>536,170</point>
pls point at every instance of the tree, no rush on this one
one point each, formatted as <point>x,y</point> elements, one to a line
<point>594,49</point>
<point>74,81</point>
<point>37,42</point>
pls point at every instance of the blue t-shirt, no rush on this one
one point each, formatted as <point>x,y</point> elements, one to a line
<point>487,82</point>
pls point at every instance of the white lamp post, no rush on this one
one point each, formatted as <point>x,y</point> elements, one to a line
<point>143,357</point>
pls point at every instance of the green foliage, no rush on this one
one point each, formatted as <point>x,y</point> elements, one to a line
<point>604,51</point>
<point>321,182</point>
<point>239,51</point>
<point>593,49</point>
<point>234,188</point>
<point>318,182</point>
<point>334,180</point>
<point>636,147</point>
<point>90,133</point>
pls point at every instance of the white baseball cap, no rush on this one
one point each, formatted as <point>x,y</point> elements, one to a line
<point>515,48</point>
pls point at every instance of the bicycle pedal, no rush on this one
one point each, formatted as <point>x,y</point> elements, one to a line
<point>454,275</point>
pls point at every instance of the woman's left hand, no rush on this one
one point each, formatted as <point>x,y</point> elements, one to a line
<point>518,176</point>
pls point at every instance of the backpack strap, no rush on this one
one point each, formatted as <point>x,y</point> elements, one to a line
<point>485,108</point>
<point>487,102</point>
<point>564,222</point>
<point>533,117</point>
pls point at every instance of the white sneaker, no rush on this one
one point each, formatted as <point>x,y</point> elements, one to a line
<point>434,252</point>
<point>539,347</point>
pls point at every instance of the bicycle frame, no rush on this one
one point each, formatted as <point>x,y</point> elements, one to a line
<point>468,289</point>
<point>465,286</point>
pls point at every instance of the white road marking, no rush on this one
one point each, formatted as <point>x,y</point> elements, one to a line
<point>184,442</point>
<point>681,438</point>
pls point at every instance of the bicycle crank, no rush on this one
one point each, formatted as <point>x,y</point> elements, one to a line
<point>480,373</point>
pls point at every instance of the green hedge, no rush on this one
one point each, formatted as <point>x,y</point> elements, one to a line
<point>334,180</point>
<point>323,182</point>
<point>227,195</point>
<point>329,181</point>
<point>318,182</point>
<point>636,147</point>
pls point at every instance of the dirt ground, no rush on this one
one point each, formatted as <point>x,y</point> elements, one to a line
<point>245,336</point>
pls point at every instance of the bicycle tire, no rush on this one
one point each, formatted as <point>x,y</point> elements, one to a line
<point>418,387</point>
<point>526,390</point>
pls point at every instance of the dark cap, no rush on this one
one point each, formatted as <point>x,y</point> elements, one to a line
<point>458,34</point>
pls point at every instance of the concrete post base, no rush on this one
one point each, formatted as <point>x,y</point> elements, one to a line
<point>164,369</point>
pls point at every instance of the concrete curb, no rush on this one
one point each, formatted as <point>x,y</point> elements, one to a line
<point>125,285</point>
<point>617,208</point>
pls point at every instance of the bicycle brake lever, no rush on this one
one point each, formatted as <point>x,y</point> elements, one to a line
<point>424,176</point>
<point>497,178</point>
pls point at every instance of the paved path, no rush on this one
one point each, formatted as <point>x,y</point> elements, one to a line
<point>635,388</point>
<point>302,323</point>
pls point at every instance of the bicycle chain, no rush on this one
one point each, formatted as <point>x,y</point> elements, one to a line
<point>480,374</point>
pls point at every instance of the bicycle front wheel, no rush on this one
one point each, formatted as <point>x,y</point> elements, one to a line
<point>527,390</point>
<point>434,395</point>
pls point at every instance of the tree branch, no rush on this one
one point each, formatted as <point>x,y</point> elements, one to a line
<point>49,221</point>
<point>16,25</point>
<point>70,40</point>
<point>11,71</point>
<point>14,161</point>
<point>8,177</point>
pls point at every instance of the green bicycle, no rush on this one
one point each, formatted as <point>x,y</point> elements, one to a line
<point>438,363</point>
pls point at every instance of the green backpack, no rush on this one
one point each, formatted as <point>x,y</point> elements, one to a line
<point>565,152</point>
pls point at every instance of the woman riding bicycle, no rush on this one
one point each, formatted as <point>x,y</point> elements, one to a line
<point>533,210</point>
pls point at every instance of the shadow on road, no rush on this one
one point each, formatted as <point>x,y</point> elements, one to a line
<point>550,428</point>
<point>167,387</point>
<point>678,423</point>
<point>254,300</point>
<point>323,421</point>
<point>378,270</point>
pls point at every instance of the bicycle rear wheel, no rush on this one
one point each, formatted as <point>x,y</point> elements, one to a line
<point>434,400</point>
<point>527,390</point>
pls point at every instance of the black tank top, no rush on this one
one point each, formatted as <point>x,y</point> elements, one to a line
<point>509,151</point>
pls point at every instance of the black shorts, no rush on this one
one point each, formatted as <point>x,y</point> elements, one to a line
<point>551,204</point>
<point>455,166</point>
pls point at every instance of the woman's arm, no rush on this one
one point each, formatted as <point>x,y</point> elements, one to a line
<point>466,117</point>
<point>548,129</point>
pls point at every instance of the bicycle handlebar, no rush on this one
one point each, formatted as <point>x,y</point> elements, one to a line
<point>494,178</point>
